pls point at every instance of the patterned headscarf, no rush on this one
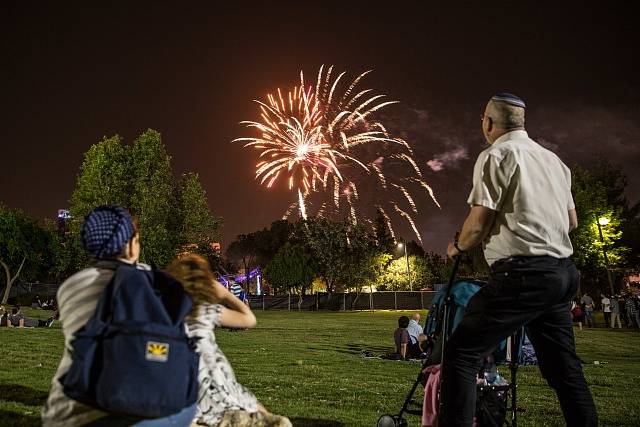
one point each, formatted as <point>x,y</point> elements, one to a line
<point>106,230</point>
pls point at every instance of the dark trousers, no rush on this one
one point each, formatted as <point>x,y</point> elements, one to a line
<point>531,291</point>
<point>607,319</point>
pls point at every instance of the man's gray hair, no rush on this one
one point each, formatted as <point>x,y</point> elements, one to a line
<point>506,116</point>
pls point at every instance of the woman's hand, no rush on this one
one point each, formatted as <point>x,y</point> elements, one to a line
<point>236,314</point>
<point>221,293</point>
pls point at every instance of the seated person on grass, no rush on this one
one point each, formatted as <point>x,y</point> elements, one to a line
<point>415,335</point>
<point>17,318</point>
<point>401,337</point>
<point>222,401</point>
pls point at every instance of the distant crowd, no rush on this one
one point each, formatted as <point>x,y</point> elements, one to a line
<point>617,310</point>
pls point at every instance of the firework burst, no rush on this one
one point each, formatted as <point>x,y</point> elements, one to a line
<point>324,141</point>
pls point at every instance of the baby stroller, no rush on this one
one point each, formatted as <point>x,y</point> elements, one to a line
<point>494,398</point>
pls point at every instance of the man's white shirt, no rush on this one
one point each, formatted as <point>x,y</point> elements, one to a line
<point>530,189</point>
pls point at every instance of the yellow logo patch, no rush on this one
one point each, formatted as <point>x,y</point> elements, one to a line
<point>157,351</point>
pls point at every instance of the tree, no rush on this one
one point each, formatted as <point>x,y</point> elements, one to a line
<point>197,227</point>
<point>104,178</point>
<point>598,193</point>
<point>55,267</point>
<point>25,248</point>
<point>291,268</point>
<point>328,243</point>
<point>152,181</point>
<point>383,238</point>
<point>437,265</point>
<point>243,250</point>
<point>373,266</point>
<point>395,275</point>
<point>269,241</point>
<point>414,248</point>
<point>140,178</point>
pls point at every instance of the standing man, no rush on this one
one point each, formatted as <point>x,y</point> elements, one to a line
<point>631,306</point>
<point>588,310</point>
<point>522,210</point>
<point>606,310</point>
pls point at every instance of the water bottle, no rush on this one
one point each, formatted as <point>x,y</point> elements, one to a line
<point>490,375</point>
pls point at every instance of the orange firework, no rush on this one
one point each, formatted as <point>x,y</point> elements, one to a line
<point>311,135</point>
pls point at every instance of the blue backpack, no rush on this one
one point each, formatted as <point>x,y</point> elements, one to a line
<point>133,356</point>
<point>461,293</point>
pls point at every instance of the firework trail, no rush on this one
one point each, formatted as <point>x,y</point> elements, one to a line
<point>324,141</point>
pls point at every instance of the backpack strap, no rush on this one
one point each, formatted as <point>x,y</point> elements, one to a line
<point>104,309</point>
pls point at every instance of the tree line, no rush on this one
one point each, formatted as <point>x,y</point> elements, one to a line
<point>174,216</point>
<point>321,254</point>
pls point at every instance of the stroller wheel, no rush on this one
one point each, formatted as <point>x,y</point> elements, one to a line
<point>391,421</point>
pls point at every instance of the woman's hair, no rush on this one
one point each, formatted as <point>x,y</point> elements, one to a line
<point>194,272</point>
<point>403,322</point>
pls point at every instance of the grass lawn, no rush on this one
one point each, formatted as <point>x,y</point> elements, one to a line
<point>308,366</point>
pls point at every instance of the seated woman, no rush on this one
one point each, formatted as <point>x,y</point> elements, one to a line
<point>222,401</point>
<point>401,337</point>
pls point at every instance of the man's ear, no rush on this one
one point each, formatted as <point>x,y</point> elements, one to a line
<point>489,124</point>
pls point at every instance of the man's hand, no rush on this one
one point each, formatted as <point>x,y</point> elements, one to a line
<point>474,230</point>
<point>452,251</point>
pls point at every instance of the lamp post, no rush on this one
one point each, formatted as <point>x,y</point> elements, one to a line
<point>406,257</point>
<point>600,222</point>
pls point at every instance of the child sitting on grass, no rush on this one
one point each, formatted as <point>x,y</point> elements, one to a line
<point>222,401</point>
<point>401,338</point>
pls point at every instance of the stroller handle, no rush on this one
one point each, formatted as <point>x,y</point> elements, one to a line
<point>452,276</point>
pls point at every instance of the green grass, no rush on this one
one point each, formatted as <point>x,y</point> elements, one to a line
<point>308,366</point>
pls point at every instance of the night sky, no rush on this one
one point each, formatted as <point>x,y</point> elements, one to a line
<point>72,73</point>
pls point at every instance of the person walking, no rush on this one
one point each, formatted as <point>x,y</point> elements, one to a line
<point>522,211</point>
<point>615,312</point>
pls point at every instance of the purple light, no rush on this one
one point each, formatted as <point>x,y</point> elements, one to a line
<point>243,277</point>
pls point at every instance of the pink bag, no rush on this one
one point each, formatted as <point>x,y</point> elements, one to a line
<point>430,404</point>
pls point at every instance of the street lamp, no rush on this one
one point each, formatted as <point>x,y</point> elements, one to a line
<point>406,257</point>
<point>604,221</point>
